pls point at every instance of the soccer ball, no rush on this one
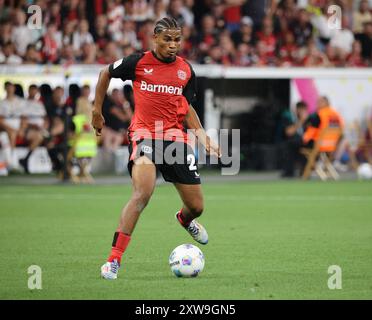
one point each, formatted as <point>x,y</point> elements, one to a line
<point>186,260</point>
<point>364,171</point>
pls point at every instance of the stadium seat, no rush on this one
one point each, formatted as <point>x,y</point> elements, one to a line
<point>319,157</point>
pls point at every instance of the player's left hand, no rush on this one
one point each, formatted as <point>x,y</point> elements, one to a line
<point>98,121</point>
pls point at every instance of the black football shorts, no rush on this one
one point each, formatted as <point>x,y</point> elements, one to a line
<point>175,160</point>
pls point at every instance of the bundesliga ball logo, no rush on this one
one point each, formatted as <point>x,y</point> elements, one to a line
<point>186,261</point>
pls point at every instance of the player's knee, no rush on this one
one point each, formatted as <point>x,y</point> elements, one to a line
<point>141,199</point>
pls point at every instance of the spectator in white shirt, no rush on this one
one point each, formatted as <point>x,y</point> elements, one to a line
<point>21,35</point>
<point>7,55</point>
<point>82,36</point>
<point>320,23</point>
<point>343,39</point>
<point>35,110</point>
<point>33,124</point>
<point>115,15</point>
<point>10,120</point>
<point>157,10</point>
<point>127,35</point>
<point>65,37</point>
<point>182,14</point>
<point>187,12</point>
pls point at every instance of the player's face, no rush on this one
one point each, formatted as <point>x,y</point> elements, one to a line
<point>168,43</point>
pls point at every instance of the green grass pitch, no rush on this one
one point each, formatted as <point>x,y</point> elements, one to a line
<point>268,240</point>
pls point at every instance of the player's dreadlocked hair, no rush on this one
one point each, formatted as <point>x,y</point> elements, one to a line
<point>166,23</point>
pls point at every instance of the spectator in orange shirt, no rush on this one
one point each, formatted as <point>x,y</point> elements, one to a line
<point>326,116</point>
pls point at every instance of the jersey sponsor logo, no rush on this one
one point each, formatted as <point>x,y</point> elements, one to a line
<point>181,74</point>
<point>161,88</point>
<point>148,71</point>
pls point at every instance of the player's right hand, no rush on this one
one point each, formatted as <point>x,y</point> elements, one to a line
<point>212,148</point>
<point>98,121</point>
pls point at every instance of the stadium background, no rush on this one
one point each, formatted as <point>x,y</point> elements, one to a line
<point>253,60</point>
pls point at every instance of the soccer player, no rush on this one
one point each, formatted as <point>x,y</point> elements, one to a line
<point>164,88</point>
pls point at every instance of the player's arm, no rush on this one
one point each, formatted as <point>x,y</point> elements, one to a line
<point>102,85</point>
<point>123,69</point>
<point>192,121</point>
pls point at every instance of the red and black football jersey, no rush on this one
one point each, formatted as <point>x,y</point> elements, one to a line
<point>162,94</point>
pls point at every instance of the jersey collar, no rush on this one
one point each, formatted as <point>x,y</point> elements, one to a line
<point>161,60</point>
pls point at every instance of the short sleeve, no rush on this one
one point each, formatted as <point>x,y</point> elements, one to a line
<point>125,68</point>
<point>190,90</point>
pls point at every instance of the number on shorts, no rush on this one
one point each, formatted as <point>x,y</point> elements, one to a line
<point>191,158</point>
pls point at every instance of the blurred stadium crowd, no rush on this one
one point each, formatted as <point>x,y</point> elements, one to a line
<point>227,32</point>
<point>59,120</point>
<point>55,119</point>
<point>248,33</point>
